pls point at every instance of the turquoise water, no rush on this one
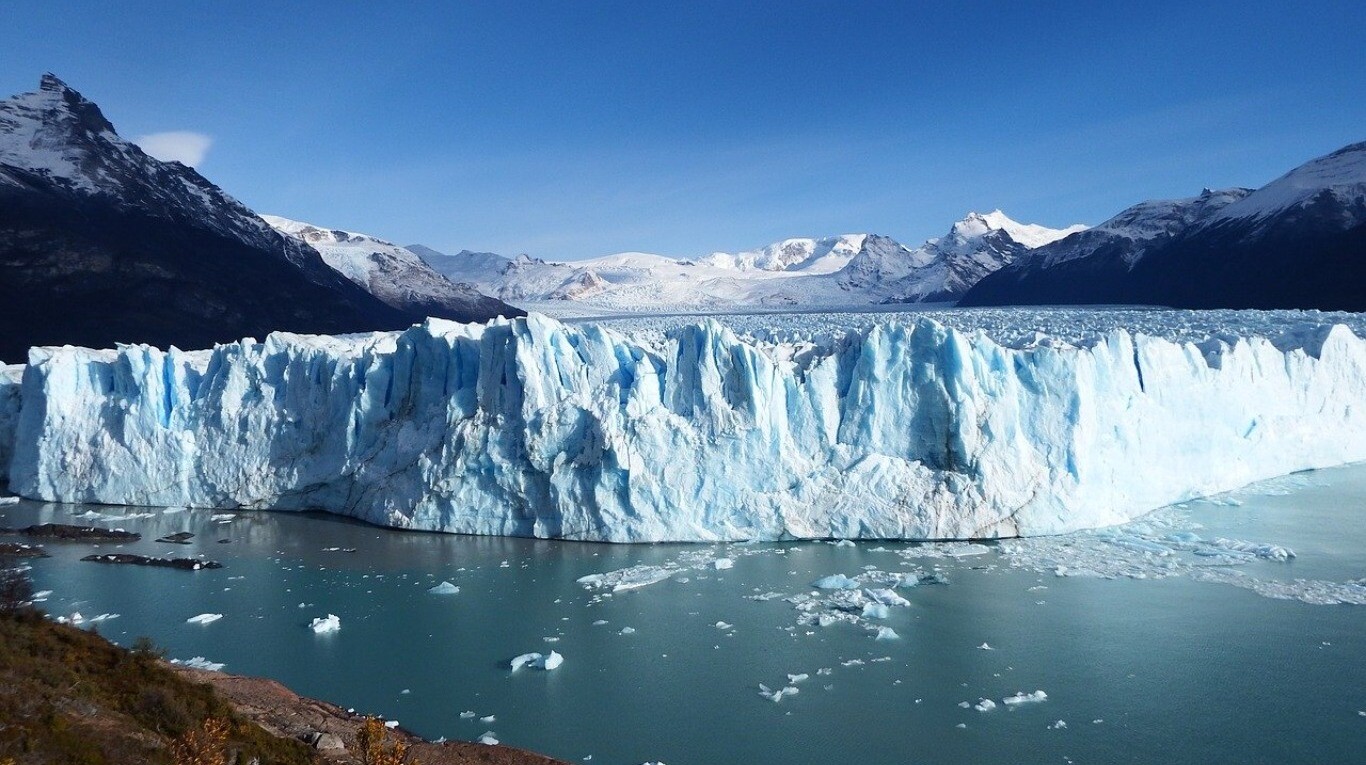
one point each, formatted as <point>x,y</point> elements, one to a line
<point>1156,670</point>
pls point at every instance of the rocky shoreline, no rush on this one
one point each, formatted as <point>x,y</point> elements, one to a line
<point>331,730</point>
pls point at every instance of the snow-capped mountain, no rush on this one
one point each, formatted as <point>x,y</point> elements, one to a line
<point>1297,242</point>
<point>101,243</point>
<point>830,271</point>
<point>393,274</point>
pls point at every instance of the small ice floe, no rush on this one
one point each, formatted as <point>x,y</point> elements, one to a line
<point>1025,698</point>
<point>405,692</point>
<point>599,622</point>
<point>41,596</point>
<point>627,631</point>
<point>984,705</point>
<point>222,517</point>
<point>887,597</point>
<point>76,618</point>
<point>488,719</point>
<point>875,611</point>
<point>204,619</point>
<point>391,724</point>
<point>199,662</point>
<point>777,695</point>
<point>852,663</point>
<point>468,714</point>
<point>985,647</point>
<point>844,543</point>
<point>630,578</point>
<point>724,626</point>
<point>489,738</point>
<point>1059,725</point>
<point>721,564</point>
<point>886,633</point>
<point>322,624</point>
<point>445,588</point>
<point>9,501</point>
<point>835,582</point>
<point>797,678</point>
<point>172,510</point>
<point>544,661</point>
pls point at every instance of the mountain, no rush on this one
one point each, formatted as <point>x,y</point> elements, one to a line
<point>393,274</point>
<point>101,244</point>
<point>849,269</point>
<point>1298,242</point>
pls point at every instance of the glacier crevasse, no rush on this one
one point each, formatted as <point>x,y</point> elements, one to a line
<point>902,430</point>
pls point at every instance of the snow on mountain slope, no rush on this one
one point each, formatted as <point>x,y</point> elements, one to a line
<point>391,273</point>
<point>900,429</point>
<point>1340,175</point>
<point>101,243</point>
<point>840,270</point>
<point>483,270</point>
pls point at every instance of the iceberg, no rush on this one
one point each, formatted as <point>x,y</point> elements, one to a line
<point>546,662</point>
<point>329,623</point>
<point>902,428</point>
<point>204,619</point>
<point>445,588</point>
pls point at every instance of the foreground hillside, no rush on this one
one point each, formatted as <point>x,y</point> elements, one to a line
<point>69,696</point>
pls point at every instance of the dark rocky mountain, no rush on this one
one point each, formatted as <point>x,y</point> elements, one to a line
<point>1298,242</point>
<point>102,244</point>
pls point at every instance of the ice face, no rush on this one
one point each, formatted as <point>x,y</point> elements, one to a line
<point>902,428</point>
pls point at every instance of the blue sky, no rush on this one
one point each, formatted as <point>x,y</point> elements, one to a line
<point>573,129</point>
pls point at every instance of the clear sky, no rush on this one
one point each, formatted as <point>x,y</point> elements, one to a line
<point>577,128</point>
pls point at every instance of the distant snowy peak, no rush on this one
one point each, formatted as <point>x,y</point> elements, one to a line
<point>1030,235</point>
<point>394,274</point>
<point>1337,179</point>
<point>812,256</point>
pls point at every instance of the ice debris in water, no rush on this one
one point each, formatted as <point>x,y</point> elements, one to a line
<point>886,633</point>
<point>329,623</point>
<point>545,662</point>
<point>985,705</point>
<point>445,588</point>
<point>199,662</point>
<point>1058,725</point>
<point>489,738</point>
<point>721,564</point>
<point>1025,698</point>
<point>779,694</point>
<point>204,619</point>
<point>835,582</point>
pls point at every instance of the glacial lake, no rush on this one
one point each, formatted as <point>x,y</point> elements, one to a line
<point>1159,664</point>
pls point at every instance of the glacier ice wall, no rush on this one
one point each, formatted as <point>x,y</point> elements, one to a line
<point>904,429</point>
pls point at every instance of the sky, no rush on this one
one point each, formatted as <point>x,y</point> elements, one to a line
<point>574,129</point>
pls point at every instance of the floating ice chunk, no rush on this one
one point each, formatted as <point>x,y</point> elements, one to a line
<point>322,624</point>
<point>199,662</point>
<point>488,719</point>
<point>204,619</point>
<point>1025,698</point>
<point>886,633</point>
<point>965,704</point>
<point>445,588</point>
<point>986,647</point>
<point>101,618</point>
<point>1267,551</point>
<point>41,596</point>
<point>468,714</point>
<point>835,582</point>
<point>1057,725</point>
<point>599,622</point>
<point>985,705</point>
<point>721,564</point>
<point>489,738</point>
<point>794,679</point>
<point>776,696</point>
<point>875,611</point>
<point>627,631</point>
<point>391,724</point>
<point>844,543</point>
<point>887,597</point>
<point>9,501</point>
<point>724,626</point>
<point>541,661</point>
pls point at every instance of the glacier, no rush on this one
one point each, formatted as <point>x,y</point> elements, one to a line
<point>901,428</point>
